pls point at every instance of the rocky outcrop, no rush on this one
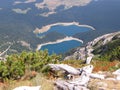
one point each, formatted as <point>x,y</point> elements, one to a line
<point>82,53</point>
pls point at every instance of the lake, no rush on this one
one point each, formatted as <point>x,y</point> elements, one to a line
<point>65,46</point>
<point>67,30</point>
<point>61,47</point>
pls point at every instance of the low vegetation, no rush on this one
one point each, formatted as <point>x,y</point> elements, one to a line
<point>25,65</point>
<point>18,65</point>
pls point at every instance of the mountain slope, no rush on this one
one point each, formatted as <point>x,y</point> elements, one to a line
<point>109,51</point>
<point>106,47</point>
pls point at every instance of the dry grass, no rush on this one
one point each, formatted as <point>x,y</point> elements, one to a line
<point>105,65</point>
<point>74,63</point>
<point>38,80</point>
<point>45,83</point>
<point>12,84</point>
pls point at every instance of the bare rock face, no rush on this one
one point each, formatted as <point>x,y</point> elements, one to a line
<point>79,54</point>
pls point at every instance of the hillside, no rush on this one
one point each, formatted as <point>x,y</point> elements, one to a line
<point>39,68</point>
<point>109,51</point>
<point>35,36</point>
<point>18,20</point>
<point>104,47</point>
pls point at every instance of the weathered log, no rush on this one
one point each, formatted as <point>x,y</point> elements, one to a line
<point>117,72</point>
<point>64,85</point>
<point>88,60</point>
<point>83,81</point>
<point>78,83</point>
<point>60,85</point>
<point>65,67</point>
<point>88,69</point>
<point>97,76</point>
<point>118,77</point>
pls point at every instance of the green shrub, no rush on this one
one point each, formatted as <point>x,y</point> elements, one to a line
<point>18,65</point>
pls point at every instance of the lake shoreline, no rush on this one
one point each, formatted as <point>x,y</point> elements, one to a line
<point>39,46</point>
<point>48,27</point>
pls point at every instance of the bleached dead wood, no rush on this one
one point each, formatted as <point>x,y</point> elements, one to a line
<point>117,72</point>
<point>79,83</point>
<point>82,81</point>
<point>118,77</point>
<point>88,69</point>
<point>88,60</point>
<point>65,67</point>
<point>63,85</point>
<point>97,76</point>
<point>84,78</point>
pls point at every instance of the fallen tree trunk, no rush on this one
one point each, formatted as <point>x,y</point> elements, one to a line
<point>64,67</point>
<point>79,83</point>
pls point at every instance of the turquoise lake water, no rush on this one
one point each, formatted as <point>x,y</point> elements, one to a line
<point>66,30</point>
<point>61,47</point>
<point>66,45</point>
